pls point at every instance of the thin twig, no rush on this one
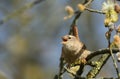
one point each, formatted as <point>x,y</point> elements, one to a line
<point>88,2</point>
<point>19,11</point>
<point>61,68</point>
<point>74,23</point>
<point>111,53</point>
<point>78,13</point>
<point>95,11</point>
<point>114,62</point>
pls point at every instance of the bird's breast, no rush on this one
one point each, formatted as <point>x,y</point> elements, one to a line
<point>70,55</point>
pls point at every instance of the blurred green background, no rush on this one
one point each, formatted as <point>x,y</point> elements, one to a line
<point>30,42</point>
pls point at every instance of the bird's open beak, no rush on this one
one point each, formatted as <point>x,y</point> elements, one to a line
<point>64,40</point>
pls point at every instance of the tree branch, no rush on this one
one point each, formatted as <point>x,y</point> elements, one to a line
<point>100,63</point>
<point>101,51</point>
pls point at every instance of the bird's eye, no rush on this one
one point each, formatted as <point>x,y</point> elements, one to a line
<point>69,37</point>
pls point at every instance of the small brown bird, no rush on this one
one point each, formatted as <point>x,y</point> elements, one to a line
<point>73,49</point>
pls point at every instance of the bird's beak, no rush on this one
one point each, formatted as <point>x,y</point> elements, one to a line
<point>64,40</point>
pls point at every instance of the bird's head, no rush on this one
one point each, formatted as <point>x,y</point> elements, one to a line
<point>68,38</point>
